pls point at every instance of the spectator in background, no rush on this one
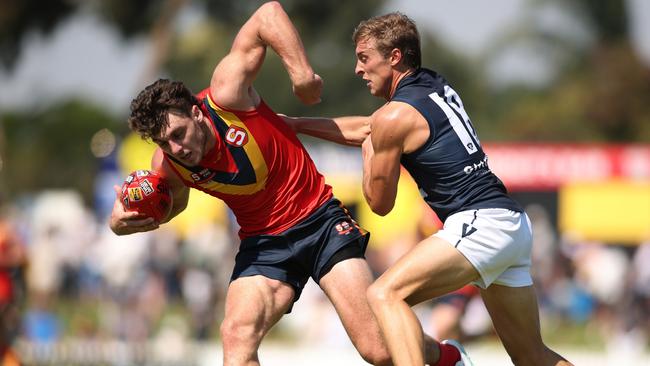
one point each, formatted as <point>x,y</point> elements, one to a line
<point>12,259</point>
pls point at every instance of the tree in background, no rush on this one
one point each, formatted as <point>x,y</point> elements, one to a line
<point>53,148</point>
<point>599,87</point>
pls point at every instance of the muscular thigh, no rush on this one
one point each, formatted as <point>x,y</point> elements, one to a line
<point>345,285</point>
<point>515,315</point>
<point>431,269</point>
<point>257,301</point>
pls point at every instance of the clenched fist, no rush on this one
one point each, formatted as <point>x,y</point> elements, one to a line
<point>309,89</point>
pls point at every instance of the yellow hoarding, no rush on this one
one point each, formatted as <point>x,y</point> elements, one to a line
<point>616,212</point>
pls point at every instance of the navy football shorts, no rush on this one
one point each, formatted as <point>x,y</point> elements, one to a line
<point>309,249</point>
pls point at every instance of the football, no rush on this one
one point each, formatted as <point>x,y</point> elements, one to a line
<point>146,192</point>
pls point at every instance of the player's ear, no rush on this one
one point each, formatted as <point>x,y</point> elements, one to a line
<point>197,114</point>
<point>395,56</point>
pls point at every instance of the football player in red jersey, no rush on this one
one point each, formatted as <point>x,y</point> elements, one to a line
<point>228,143</point>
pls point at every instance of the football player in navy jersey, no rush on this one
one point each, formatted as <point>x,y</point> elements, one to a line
<point>486,238</point>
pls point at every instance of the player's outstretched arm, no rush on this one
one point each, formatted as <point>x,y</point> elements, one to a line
<point>350,130</point>
<point>231,84</point>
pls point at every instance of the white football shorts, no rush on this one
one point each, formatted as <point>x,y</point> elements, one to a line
<point>496,241</point>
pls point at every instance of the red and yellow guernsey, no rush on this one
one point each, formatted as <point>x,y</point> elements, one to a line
<point>258,167</point>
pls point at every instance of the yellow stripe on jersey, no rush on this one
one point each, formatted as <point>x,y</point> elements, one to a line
<point>252,152</point>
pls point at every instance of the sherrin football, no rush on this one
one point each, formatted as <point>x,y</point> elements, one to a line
<point>146,192</point>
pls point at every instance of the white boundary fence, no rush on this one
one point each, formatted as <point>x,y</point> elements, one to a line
<point>91,352</point>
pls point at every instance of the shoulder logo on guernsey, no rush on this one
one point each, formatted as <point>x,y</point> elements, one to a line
<point>236,136</point>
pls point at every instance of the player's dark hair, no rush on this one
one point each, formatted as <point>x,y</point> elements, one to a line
<point>149,109</point>
<point>393,30</point>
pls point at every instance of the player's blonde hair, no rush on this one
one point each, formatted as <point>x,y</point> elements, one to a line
<point>393,30</point>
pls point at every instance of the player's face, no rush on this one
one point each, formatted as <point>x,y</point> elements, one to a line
<point>184,138</point>
<point>374,68</point>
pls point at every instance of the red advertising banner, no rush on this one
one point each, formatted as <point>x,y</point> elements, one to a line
<point>525,166</point>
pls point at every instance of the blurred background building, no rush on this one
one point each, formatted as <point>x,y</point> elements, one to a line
<point>558,91</point>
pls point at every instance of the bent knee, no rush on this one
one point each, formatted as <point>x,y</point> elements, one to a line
<point>376,355</point>
<point>235,332</point>
<point>378,359</point>
<point>378,293</point>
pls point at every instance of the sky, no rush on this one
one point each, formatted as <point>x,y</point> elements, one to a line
<point>473,24</point>
<point>84,56</point>
<point>469,25</point>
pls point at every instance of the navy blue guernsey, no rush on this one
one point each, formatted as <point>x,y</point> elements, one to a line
<point>450,169</point>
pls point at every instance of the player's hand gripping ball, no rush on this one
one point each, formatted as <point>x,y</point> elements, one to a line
<point>146,192</point>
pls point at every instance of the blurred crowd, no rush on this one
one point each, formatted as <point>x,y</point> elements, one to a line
<point>65,276</point>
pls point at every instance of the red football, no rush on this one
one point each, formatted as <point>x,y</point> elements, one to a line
<point>146,192</point>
